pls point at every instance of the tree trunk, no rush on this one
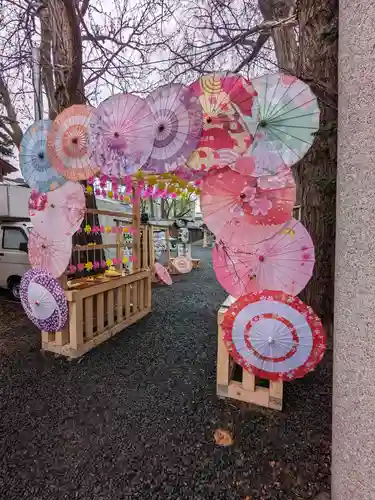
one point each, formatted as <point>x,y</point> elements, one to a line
<point>63,34</point>
<point>314,60</point>
<point>284,37</point>
<point>316,173</point>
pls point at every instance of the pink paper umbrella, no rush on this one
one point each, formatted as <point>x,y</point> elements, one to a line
<point>227,196</point>
<point>64,211</point>
<point>284,262</point>
<point>121,135</point>
<point>179,121</point>
<point>274,335</point>
<point>162,274</point>
<point>50,254</point>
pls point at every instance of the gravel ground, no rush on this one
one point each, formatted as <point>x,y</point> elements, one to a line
<point>135,418</point>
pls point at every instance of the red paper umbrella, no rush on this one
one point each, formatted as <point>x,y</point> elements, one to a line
<point>274,335</point>
<point>227,195</point>
<point>162,274</point>
<point>223,98</point>
<point>284,262</point>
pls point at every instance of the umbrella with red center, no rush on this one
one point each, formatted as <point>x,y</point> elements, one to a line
<point>274,335</point>
<point>262,204</point>
<point>284,262</point>
<point>223,96</point>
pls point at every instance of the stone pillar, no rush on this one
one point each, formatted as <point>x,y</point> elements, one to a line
<point>353,457</point>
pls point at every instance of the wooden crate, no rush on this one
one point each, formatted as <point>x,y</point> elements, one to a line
<point>233,382</point>
<point>99,312</point>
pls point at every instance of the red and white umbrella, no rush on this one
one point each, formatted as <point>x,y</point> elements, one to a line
<point>274,335</point>
<point>162,273</point>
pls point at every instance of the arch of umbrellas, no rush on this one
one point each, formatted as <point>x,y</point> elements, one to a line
<point>230,140</point>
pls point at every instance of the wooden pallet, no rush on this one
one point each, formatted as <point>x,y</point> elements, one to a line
<point>235,383</point>
<point>99,312</point>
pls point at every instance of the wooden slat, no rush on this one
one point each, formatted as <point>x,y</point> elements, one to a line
<point>127,301</point>
<point>85,248</point>
<point>119,304</point>
<point>141,294</point>
<point>134,299</point>
<point>148,293</point>
<point>110,308</point>
<point>248,381</point>
<point>120,215</point>
<point>76,324</point>
<point>137,227</point>
<point>73,295</point>
<point>89,317</point>
<point>100,312</point>
<point>222,369</point>
<point>276,395</point>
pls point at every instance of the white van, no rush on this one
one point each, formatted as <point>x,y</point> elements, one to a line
<point>14,261</point>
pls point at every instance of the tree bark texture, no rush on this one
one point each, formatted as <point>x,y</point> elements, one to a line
<point>63,35</point>
<point>316,173</point>
<point>312,57</point>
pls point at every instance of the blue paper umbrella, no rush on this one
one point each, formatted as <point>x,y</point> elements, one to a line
<point>35,166</point>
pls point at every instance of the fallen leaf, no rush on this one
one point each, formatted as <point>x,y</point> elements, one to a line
<point>223,437</point>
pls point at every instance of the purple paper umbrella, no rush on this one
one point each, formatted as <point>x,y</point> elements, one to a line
<point>179,121</point>
<point>121,135</point>
<point>44,300</point>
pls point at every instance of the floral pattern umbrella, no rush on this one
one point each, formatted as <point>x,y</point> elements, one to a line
<point>283,121</point>
<point>51,254</point>
<point>36,169</point>
<point>284,262</point>
<point>43,300</point>
<point>65,210</point>
<point>224,98</point>
<point>179,121</point>
<point>121,135</point>
<point>274,335</point>
<point>228,195</point>
<point>67,143</point>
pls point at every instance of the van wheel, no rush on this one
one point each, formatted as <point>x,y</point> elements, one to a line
<point>14,287</point>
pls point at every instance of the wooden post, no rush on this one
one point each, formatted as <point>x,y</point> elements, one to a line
<point>137,228</point>
<point>204,245</point>
<point>119,248</point>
